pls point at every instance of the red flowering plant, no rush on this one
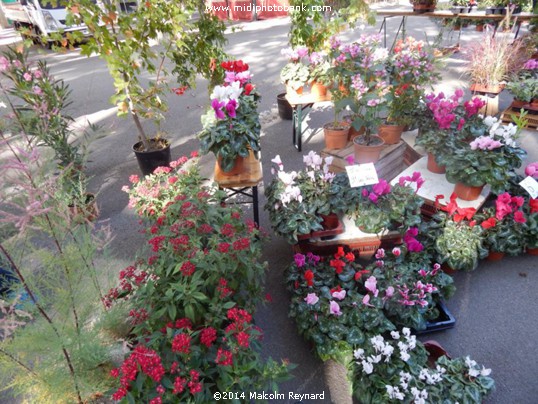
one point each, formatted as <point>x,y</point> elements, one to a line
<point>531,225</point>
<point>504,225</point>
<point>191,301</point>
<point>457,238</point>
<point>411,69</point>
<point>231,126</point>
<point>189,362</point>
<point>382,207</point>
<point>444,121</point>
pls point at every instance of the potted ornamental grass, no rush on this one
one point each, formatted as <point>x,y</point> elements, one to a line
<point>504,226</point>
<point>125,42</point>
<point>491,61</point>
<point>459,241</point>
<point>489,159</point>
<point>300,202</point>
<point>411,69</point>
<point>443,122</point>
<point>231,126</point>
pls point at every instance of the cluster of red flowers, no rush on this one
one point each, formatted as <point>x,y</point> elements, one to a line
<point>224,357</point>
<point>235,66</point>
<point>156,243</point>
<point>138,316</point>
<point>337,263</point>
<point>194,384</point>
<point>504,206</point>
<point>223,288</point>
<point>181,343</point>
<point>143,358</point>
<point>241,244</point>
<point>187,268</point>
<point>180,90</point>
<point>207,336</point>
<point>458,214</point>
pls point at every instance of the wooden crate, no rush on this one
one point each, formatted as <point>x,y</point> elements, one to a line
<point>390,164</point>
<point>509,113</point>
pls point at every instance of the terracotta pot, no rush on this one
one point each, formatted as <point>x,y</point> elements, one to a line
<point>237,168</point>
<point>433,167</point>
<point>495,256</point>
<point>467,193</point>
<point>318,90</point>
<point>353,133</point>
<point>391,134</point>
<point>532,251</point>
<point>479,28</point>
<point>335,138</point>
<point>423,8</point>
<point>330,221</point>
<point>367,153</point>
<point>435,351</point>
<point>488,90</point>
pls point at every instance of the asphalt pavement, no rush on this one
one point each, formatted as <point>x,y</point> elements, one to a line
<point>495,306</point>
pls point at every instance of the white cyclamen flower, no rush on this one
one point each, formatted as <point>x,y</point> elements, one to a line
<point>358,353</point>
<point>485,372</point>
<point>367,367</point>
<point>395,334</point>
<point>394,393</point>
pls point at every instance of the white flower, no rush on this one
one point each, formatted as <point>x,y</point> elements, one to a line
<point>235,90</point>
<point>367,367</point>
<point>490,120</point>
<point>380,54</point>
<point>404,356</point>
<point>403,346</point>
<point>395,334</point>
<point>423,374</point>
<point>378,342</point>
<point>387,351</point>
<point>374,359</point>
<point>287,178</point>
<point>412,342</point>
<point>485,372</point>
<point>440,369</point>
<point>474,372</point>
<point>277,160</point>
<point>328,161</point>
<point>406,331</point>
<point>394,393</point>
<point>469,362</point>
<point>358,353</point>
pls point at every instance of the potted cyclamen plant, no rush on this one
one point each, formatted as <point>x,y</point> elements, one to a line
<point>231,127</point>
<point>488,159</point>
<point>459,240</point>
<point>124,41</point>
<point>504,226</point>
<point>443,121</point>
<point>319,74</point>
<point>295,74</point>
<point>411,69</point>
<point>299,202</point>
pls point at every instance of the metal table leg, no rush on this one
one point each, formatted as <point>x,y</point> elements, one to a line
<point>297,122</point>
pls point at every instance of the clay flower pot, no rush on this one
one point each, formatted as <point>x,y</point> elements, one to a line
<point>367,153</point>
<point>237,168</point>
<point>336,136</point>
<point>466,192</point>
<point>432,165</point>
<point>318,90</point>
<point>391,134</point>
<point>495,256</point>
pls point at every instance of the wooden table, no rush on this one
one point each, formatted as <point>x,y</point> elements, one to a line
<point>476,15</point>
<point>301,104</point>
<point>239,184</point>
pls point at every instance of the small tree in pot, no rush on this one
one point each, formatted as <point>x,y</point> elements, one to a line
<point>124,41</point>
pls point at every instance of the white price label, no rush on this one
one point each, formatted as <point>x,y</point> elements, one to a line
<point>362,174</point>
<point>531,186</point>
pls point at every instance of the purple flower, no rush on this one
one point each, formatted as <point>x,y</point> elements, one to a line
<point>299,260</point>
<point>334,308</point>
<point>531,64</point>
<point>311,299</point>
<point>389,292</point>
<point>381,188</point>
<point>217,105</point>
<point>366,301</point>
<point>230,108</point>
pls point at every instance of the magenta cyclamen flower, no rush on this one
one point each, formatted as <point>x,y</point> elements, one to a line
<point>217,106</point>
<point>531,64</point>
<point>381,188</point>
<point>231,107</point>
<point>299,260</point>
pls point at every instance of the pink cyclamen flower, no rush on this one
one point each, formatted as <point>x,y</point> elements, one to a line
<point>311,299</point>
<point>531,64</point>
<point>27,76</point>
<point>334,308</point>
<point>340,295</point>
<point>389,292</point>
<point>396,251</point>
<point>380,253</point>
<point>532,170</point>
<point>299,260</point>
<point>519,217</point>
<point>371,285</point>
<point>231,106</point>
<point>366,301</point>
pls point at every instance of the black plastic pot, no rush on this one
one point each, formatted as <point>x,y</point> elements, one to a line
<point>285,111</point>
<point>148,161</point>
<point>445,320</point>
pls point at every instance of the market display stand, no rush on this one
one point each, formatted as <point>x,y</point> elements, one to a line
<point>436,184</point>
<point>240,184</point>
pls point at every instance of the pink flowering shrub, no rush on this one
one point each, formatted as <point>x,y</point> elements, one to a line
<point>338,303</point>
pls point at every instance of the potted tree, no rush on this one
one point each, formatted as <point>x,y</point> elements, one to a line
<point>411,69</point>
<point>124,41</point>
<point>231,126</point>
